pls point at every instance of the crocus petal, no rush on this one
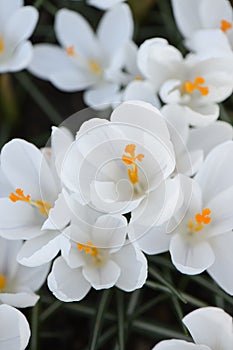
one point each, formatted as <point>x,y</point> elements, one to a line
<point>175,344</point>
<point>142,91</point>
<point>14,329</point>
<point>220,10</point>
<point>8,253</point>
<point>33,278</point>
<point>210,326</point>
<point>102,96</point>
<point>200,116</point>
<point>24,19</point>
<point>39,250</point>
<point>209,174</point>
<point>20,299</point>
<point>218,133</point>
<point>59,215</point>
<point>67,284</point>
<point>102,277</point>
<point>115,29</point>
<point>133,265</point>
<point>21,57</point>
<point>221,270</point>
<point>187,16</point>
<point>73,30</point>
<point>190,257</point>
<point>6,10</point>
<point>102,4</point>
<point>47,59</point>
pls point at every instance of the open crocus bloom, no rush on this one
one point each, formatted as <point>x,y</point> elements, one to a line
<point>204,31</point>
<point>87,61</point>
<point>114,165</point>
<point>199,236</point>
<point>34,209</point>
<point>14,329</point>
<point>191,145</point>
<point>17,22</point>
<point>18,283</point>
<point>210,327</point>
<point>196,85</point>
<point>95,253</point>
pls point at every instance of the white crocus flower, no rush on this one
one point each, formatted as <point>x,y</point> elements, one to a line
<point>95,254</point>
<point>205,31</point>
<point>86,61</point>
<point>14,329</point>
<point>199,235</point>
<point>103,4</point>
<point>17,282</point>
<point>34,209</point>
<point>196,85</point>
<point>114,165</point>
<point>191,145</point>
<point>210,327</point>
<point>17,23</point>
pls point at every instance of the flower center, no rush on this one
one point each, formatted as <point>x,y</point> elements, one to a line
<point>225,25</point>
<point>138,78</point>
<point>2,282</point>
<point>93,251</point>
<point>189,87</point>
<point>43,207</point>
<point>200,220</point>
<point>2,47</point>
<point>93,65</point>
<point>131,161</point>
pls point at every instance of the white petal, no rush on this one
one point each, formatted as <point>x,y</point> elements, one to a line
<point>67,284</point>
<point>109,231</point>
<point>6,10</point>
<point>133,265</point>
<point>187,15</point>
<point>39,250</point>
<point>24,20</point>
<point>200,116</point>
<point>174,344</point>
<point>221,270</point>
<point>102,96</point>
<point>20,299</point>
<point>142,91</point>
<point>210,326</point>
<point>217,132</point>
<point>190,257</point>
<point>59,215</point>
<point>8,254</point>
<point>21,57</point>
<point>115,29</point>
<point>102,4</point>
<point>220,10</point>
<point>14,329</point>
<point>209,174</point>
<point>31,278</point>
<point>73,257</point>
<point>72,29</point>
<point>102,277</point>
<point>47,59</point>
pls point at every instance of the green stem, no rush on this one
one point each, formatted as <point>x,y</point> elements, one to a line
<point>34,343</point>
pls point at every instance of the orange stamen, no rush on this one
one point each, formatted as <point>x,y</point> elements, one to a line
<point>2,46</point>
<point>88,248</point>
<point>44,207</point>
<point>70,51</point>
<point>2,282</point>
<point>190,87</point>
<point>225,25</point>
<point>131,161</point>
<point>94,67</point>
<point>201,220</point>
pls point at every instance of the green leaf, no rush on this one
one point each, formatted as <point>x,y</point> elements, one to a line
<point>34,342</point>
<point>100,313</point>
<point>50,310</point>
<point>120,319</point>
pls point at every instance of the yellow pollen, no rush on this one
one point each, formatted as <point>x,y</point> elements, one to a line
<point>131,161</point>
<point>189,87</point>
<point>88,248</point>
<point>2,282</point>
<point>43,207</point>
<point>225,25</point>
<point>138,78</point>
<point>70,51</point>
<point>94,67</point>
<point>200,220</point>
<point>2,47</point>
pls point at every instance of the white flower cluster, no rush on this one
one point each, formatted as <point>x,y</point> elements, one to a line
<point>146,182</point>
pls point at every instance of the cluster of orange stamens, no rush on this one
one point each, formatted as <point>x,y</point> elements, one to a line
<point>225,25</point>
<point>200,220</point>
<point>44,207</point>
<point>190,87</point>
<point>131,161</point>
<point>88,248</point>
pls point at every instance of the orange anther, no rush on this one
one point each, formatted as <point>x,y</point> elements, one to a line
<point>190,87</point>
<point>70,50</point>
<point>131,160</point>
<point>88,248</point>
<point>201,220</point>
<point>19,196</point>
<point>225,25</point>
<point>2,282</point>
<point>2,46</point>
